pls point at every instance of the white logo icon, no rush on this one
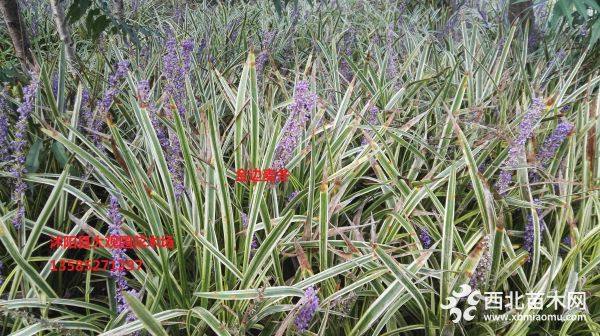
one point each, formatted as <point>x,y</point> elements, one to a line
<point>472,301</point>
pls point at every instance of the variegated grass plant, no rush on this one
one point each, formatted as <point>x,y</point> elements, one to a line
<point>391,204</point>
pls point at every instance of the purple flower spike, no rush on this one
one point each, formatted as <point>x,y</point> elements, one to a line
<point>201,47</point>
<point>4,147</point>
<point>174,71</point>
<point>168,139</point>
<point>484,266</point>
<point>244,220</point>
<point>233,28</point>
<point>118,255</point>
<point>529,234</point>
<point>268,37</point>
<point>143,91</point>
<point>85,110</point>
<point>187,48</point>
<point>530,120</point>
<point>371,120</point>
<point>348,44</point>
<point>391,69</point>
<point>263,56</point>
<point>55,84</point>
<point>300,111</point>
<point>18,149</point>
<point>254,245</point>
<point>261,61</point>
<point>554,141</point>
<point>517,147</point>
<point>425,238</point>
<point>503,182</point>
<point>176,165</point>
<point>96,123</point>
<point>308,307</point>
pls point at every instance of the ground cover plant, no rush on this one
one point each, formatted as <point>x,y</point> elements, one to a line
<point>344,168</point>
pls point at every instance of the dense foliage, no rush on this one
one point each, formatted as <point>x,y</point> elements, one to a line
<point>428,147</point>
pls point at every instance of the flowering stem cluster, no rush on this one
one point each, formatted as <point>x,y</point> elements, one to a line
<point>551,144</point>
<point>484,266</point>
<point>4,148</point>
<point>175,69</point>
<point>18,150</point>
<point>517,149</point>
<point>96,122</point>
<point>529,229</point>
<point>371,120</point>
<point>391,69</point>
<point>263,56</point>
<point>308,307</point>
<point>118,255</point>
<point>345,69</point>
<point>425,238</point>
<point>300,111</point>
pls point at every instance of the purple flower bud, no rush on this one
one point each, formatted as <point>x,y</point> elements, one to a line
<point>484,17</point>
<point>533,40</point>
<point>530,120</point>
<point>18,149</point>
<point>4,147</point>
<point>174,71</point>
<point>261,61</point>
<point>372,121</point>
<point>85,110</point>
<point>300,111</point>
<point>178,13</point>
<point>96,123</point>
<point>268,38</point>
<point>233,28</point>
<point>254,244</point>
<point>187,48</point>
<point>135,6</point>
<point>348,44</point>
<point>501,43</point>
<point>175,165</point>
<point>118,255</point>
<point>484,165</point>
<point>484,266</point>
<point>517,149</point>
<point>391,69</point>
<point>244,220</point>
<point>168,139</point>
<point>529,233</point>
<point>143,90</point>
<point>292,196</point>
<point>308,307</point>
<point>55,85</point>
<point>551,144</point>
<point>425,238</point>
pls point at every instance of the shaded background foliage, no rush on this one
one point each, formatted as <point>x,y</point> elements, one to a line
<point>414,112</point>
